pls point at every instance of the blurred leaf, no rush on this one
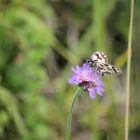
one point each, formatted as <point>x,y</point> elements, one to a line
<point>122,59</point>
<point>10,103</point>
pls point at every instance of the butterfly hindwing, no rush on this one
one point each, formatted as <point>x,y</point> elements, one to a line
<point>107,69</point>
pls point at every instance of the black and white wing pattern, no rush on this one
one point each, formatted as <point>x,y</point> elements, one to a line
<point>99,56</point>
<point>99,62</point>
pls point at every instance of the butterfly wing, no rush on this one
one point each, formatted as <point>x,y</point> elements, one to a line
<point>99,62</point>
<point>99,56</point>
<point>107,69</point>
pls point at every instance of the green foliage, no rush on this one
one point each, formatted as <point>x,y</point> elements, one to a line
<point>39,41</point>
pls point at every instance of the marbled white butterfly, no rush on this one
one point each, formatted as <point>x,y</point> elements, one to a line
<point>99,62</point>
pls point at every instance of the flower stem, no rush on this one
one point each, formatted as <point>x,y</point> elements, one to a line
<point>128,70</point>
<point>71,112</point>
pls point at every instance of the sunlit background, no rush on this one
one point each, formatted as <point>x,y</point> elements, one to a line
<point>39,42</point>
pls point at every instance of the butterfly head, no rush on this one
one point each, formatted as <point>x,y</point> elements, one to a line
<point>89,62</point>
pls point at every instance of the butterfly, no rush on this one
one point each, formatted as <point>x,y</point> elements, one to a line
<point>99,62</point>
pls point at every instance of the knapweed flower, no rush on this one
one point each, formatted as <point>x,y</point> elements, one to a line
<point>89,79</point>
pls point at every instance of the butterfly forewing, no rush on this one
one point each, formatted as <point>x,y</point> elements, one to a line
<point>99,62</point>
<point>99,56</point>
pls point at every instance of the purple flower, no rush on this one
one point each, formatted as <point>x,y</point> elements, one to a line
<point>88,78</point>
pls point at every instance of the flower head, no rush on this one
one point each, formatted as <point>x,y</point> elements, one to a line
<point>88,78</point>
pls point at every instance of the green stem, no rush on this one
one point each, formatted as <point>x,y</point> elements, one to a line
<point>129,70</point>
<point>71,112</point>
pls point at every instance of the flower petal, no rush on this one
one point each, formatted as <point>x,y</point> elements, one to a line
<point>100,93</point>
<point>92,95</point>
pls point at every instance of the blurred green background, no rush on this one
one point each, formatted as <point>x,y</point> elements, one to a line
<point>39,41</point>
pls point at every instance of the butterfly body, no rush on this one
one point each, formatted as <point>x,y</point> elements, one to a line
<point>99,62</point>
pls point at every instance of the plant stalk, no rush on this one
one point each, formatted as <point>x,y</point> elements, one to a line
<point>129,70</point>
<point>71,112</point>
